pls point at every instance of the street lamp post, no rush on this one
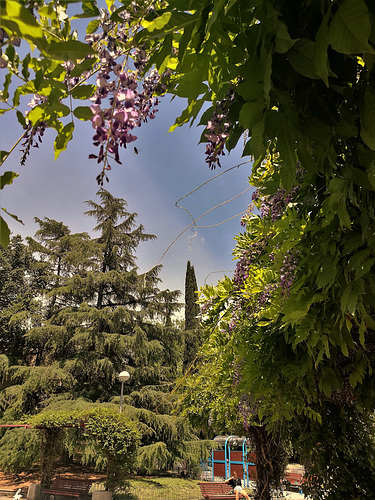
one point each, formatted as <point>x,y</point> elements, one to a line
<point>123,377</point>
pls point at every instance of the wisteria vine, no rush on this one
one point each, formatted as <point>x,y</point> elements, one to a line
<point>124,97</point>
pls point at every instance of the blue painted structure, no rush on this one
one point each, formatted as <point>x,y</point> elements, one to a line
<point>224,462</point>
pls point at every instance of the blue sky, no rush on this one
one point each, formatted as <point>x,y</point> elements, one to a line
<point>168,166</point>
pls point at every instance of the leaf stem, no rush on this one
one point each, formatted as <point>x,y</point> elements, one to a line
<point>13,147</point>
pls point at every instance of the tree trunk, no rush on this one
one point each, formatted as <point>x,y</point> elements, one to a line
<point>269,462</point>
<point>50,444</point>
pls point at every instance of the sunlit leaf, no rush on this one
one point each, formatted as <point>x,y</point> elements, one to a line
<point>3,155</point>
<point>18,21</point>
<point>62,138</point>
<point>7,178</point>
<point>70,51</point>
<point>83,113</point>
<point>4,233</point>
<point>350,28</point>
<point>83,91</point>
<point>13,216</point>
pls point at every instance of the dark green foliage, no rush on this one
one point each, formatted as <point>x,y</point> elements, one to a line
<point>345,469</point>
<point>116,437</point>
<point>297,322</point>
<point>102,434</point>
<point>191,297</point>
<point>192,333</point>
<point>19,449</point>
<point>20,278</point>
<point>97,316</point>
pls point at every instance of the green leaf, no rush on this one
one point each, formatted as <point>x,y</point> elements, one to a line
<point>89,10</point>
<point>192,84</point>
<point>190,112</point>
<point>217,7</point>
<point>300,57</point>
<point>348,302</point>
<point>250,114</point>
<point>267,80</point>
<point>11,53</point>
<point>7,178</point>
<point>83,91</point>
<point>350,28</point>
<point>3,156</point>
<point>48,11</point>
<point>257,140</point>
<point>85,65</point>
<point>93,26</point>
<point>21,118</point>
<point>25,66</point>
<point>13,216</point>
<point>70,51</point>
<point>287,149</point>
<point>4,233</point>
<point>19,22</point>
<point>367,118</point>
<point>355,378</point>
<point>336,202</point>
<point>177,22</point>
<point>158,23</point>
<point>320,57</point>
<point>327,272</point>
<point>58,108</point>
<point>7,81</point>
<point>325,386</point>
<point>283,42</point>
<point>63,138</point>
<point>83,113</point>
<point>37,113</point>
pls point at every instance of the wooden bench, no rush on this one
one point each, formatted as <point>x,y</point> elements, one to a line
<point>68,487</point>
<point>217,491</point>
<point>293,479</point>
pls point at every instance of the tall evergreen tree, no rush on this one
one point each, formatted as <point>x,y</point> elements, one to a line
<point>191,297</point>
<point>99,316</point>
<point>107,319</point>
<point>20,278</point>
<point>192,335</point>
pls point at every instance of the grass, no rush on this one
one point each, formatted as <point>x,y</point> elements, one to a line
<point>162,488</point>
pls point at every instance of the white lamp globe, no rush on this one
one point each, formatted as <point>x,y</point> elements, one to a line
<point>124,376</point>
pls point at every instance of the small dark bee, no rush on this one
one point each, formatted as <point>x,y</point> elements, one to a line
<point>136,151</point>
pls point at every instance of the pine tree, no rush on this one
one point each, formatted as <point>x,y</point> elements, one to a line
<point>105,311</point>
<point>100,316</point>
<point>20,277</point>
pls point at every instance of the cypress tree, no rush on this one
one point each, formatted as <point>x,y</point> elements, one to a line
<point>192,334</point>
<point>191,297</point>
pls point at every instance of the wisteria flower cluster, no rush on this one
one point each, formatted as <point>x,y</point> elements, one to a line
<point>218,128</point>
<point>124,97</point>
<point>33,134</point>
<point>265,296</point>
<point>248,408</point>
<point>274,206</point>
<point>118,104</point>
<point>128,109</point>
<point>235,316</point>
<point>248,257</point>
<point>288,270</point>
